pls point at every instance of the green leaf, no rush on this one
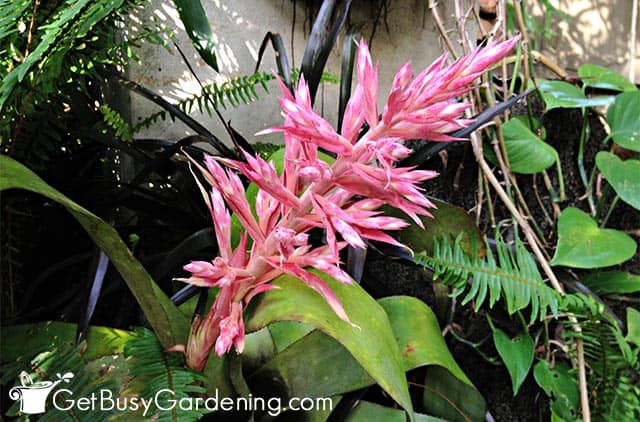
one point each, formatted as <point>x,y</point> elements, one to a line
<point>600,77</point>
<point>558,94</point>
<point>624,121</point>
<point>582,244</point>
<point>286,333</point>
<point>25,341</point>
<point>445,396</point>
<point>418,334</point>
<point>314,366</point>
<point>606,282</point>
<point>197,26</point>
<point>295,301</point>
<point>633,326</point>
<point>170,325</point>
<point>561,386</point>
<point>448,221</point>
<point>527,153</point>
<point>366,412</point>
<point>623,176</point>
<point>516,353</point>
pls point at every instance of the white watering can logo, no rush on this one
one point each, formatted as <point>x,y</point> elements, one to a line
<point>33,395</point>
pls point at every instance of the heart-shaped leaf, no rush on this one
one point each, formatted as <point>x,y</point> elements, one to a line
<point>623,176</point>
<point>169,324</point>
<point>368,338</point>
<point>582,244</point>
<point>558,94</point>
<point>624,120</point>
<point>606,282</point>
<point>527,153</point>
<point>601,77</point>
<point>516,353</point>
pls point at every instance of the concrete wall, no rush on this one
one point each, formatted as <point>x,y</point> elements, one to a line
<point>597,33</point>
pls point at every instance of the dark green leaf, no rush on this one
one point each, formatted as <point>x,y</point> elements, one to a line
<point>448,221</point>
<point>527,153</point>
<point>558,94</point>
<point>314,366</point>
<point>445,396</point>
<point>197,26</point>
<point>170,325</point>
<point>582,244</point>
<point>606,282</point>
<point>517,355</point>
<point>369,326</point>
<point>285,333</point>
<point>624,119</point>
<point>561,386</point>
<point>366,412</point>
<point>600,77</point>
<point>25,341</point>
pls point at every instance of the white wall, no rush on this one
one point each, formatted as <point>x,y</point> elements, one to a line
<point>240,26</point>
<point>597,33</point>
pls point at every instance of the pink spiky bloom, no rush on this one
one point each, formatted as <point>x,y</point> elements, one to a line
<point>343,198</point>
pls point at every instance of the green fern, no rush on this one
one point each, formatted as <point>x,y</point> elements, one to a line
<point>614,384</point>
<point>157,370</point>
<point>114,120</point>
<point>241,89</point>
<point>87,380</point>
<point>513,276</point>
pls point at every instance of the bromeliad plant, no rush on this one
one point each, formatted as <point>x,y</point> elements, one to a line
<point>343,197</point>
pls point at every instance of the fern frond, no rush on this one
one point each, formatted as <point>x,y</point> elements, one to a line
<point>114,120</point>
<point>158,371</point>
<point>614,384</point>
<point>235,91</point>
<point>513,275</point>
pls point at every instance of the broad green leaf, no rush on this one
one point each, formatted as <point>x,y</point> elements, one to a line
<point>558,94</point>
<point>516,353</point>
<point>196,24</point>
<point>561,386</point>
<point>286,333</point>
<point>418,334</point>
<point>259,347</point>
<point>367,412</point>
<point>623,176</point>
<point>582,244</point>
<point>25,341</point>
<point>314,366</point>
<point>169,324</point>
<point>633,326</point>
<point>448,221</point>
<point>295,301</point>
<point>606,282</point>
<point>600,77</point>
<point>527,153</point>
<point>624,119</point>
<point>446,397</point>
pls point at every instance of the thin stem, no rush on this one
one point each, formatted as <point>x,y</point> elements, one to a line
<point>611,208</point>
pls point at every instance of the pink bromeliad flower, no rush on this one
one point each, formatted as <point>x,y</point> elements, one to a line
<point>343,198</point>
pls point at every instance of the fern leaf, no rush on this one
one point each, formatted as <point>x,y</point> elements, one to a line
<point>234,92</point>
<point>513,275</point>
